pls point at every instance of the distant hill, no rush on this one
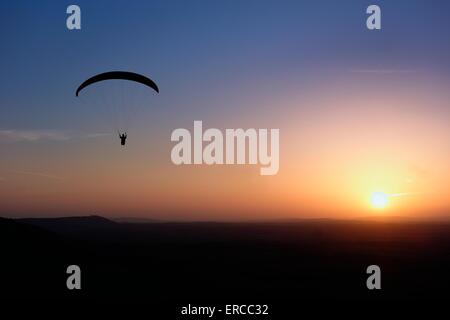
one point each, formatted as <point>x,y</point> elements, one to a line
<point>71,225</point>
<point>136,220</point>
<point>34,260</point>
<point>23,234</point>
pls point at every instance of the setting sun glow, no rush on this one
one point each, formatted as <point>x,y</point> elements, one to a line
<point>379,200</point>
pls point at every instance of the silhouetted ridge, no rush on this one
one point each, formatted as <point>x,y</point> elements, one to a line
<point>137,220</point>
<point>71,225</point>
<point>12,229</point>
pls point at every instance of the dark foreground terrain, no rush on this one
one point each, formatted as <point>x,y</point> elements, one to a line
<point>257,262</point>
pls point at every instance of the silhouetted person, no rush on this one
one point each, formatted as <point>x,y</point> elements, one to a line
<point>123,138</point>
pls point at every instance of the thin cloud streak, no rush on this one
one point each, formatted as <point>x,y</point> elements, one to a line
<point>95,135</point>
<point>33,135</point>
<point>39,174</point>
<point>402,194</point>
<point>14,135</point>
<point>382,71</point>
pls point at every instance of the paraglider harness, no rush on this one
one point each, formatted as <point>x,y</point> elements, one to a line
<point>123,137</point>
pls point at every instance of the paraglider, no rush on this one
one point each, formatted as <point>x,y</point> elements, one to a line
<point>119,75</point>
<point>123,138</point>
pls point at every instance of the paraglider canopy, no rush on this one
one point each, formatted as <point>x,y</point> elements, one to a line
<point>119,75</point>
<point>122,99</point>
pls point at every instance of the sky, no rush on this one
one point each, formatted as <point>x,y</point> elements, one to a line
<point>359,111</point>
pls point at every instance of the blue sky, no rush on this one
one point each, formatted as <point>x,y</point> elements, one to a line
<point>200,48</point>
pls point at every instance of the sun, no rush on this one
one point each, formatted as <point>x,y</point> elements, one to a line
<point>379,200</point>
